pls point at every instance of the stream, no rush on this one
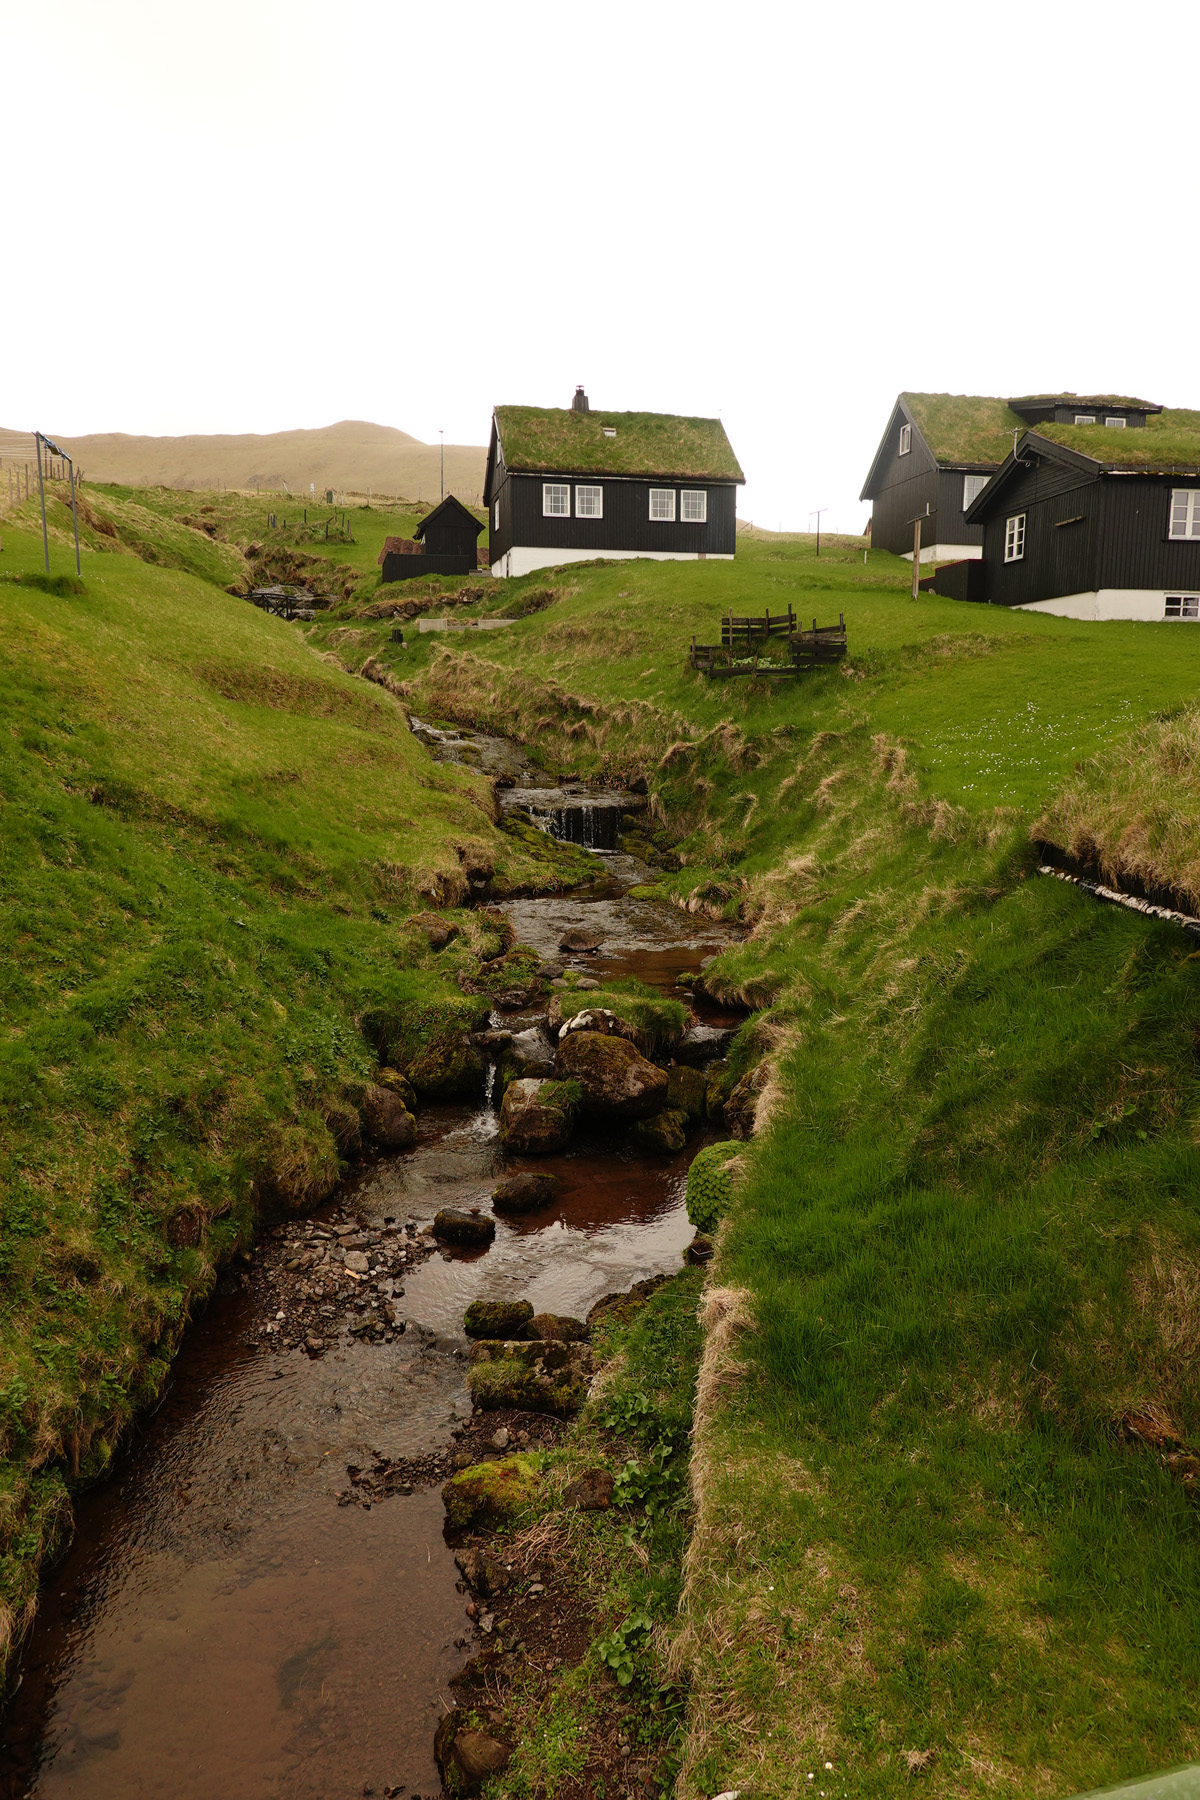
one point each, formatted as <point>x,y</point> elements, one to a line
<point>221,1624</point>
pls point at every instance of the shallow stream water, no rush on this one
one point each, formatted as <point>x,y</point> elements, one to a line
<point>221,1626</point>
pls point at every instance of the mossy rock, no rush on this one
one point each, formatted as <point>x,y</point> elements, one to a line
<point>537,1117</point>
<point>557,1328</point>
<point>687,1092</point>
<point>447,1068</point>
<point>490,1493</point>
<point>497,1318</point>
<point>616,1080</point>
<point>666,1132</point>
<point>532,1377</point>
<point>710,1185</point>
<point>719,1086</point>
<point>401,1086</point>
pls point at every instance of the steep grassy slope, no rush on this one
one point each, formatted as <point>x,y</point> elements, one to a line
<point>210,841</point>
<point>948,1414</point>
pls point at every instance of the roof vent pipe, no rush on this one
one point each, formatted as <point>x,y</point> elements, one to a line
<point>580,402</point>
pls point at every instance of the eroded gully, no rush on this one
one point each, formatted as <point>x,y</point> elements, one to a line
<point>221,1624</point>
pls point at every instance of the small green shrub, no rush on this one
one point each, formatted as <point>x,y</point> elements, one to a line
<point>61,585</point>
<point>710,1185</point>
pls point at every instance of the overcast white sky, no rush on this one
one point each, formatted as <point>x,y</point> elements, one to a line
<point>251,215</point>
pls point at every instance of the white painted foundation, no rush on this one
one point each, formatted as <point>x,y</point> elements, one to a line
<point>947,553</point>
<point>523,559</point>
<point>1108,603</point>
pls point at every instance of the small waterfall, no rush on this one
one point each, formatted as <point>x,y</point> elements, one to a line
<point>584,823</point>
<point>489,1083</point>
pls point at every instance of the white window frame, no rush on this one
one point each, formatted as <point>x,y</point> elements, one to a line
<point>664,496</point>
<point>905,440</point>
<point>496,516</point>
<point>595,498</point>
<point>691,496</point>
<point>1183,520</point>
<point>971,495</point>
<point>1014,538</point>
<point>1117,424</point>
<point>552,493</point>
<point>1085,418</point>
<point>1188,604</point>
<point>610,431</point>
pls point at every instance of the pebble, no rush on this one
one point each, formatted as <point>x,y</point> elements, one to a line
<point>501,1439</point>
<point>487,1623</point>
<point>357,1262</point>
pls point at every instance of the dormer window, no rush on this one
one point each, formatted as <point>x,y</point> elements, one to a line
<point>1085,418</point>
<point>1117,424</point>
<point>905,439</point>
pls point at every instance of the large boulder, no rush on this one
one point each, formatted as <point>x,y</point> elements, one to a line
<point>580,938</point>
<point>452,1226</point>
<point>449,1067</point>
<point>666,1132</point>
<point>614,1079</point>
<point>702,1044</point>
<point>526,1057</point>
<point>399,1085</point>
<point>524,1193</point>
<point>497,1318</point>
<point>387,1122</point>
<point>556,1328</point>
<point>687,1092</point>
<point>533,1377</point>
<point>536,1117</point>
<point>490,1493</point>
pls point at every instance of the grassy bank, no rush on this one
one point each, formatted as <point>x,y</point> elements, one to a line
<point>211,842</point>
<point>947,1418</point>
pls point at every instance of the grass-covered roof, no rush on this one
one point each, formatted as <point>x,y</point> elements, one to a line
<point>554,440</point>
<point>965,428</point>
<point>978,428</point>
<point>1168,440</point>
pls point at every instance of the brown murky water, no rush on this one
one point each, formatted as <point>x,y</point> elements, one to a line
<point>221,1627</point>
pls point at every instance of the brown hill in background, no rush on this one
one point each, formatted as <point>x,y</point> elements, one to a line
<point>353,455</point>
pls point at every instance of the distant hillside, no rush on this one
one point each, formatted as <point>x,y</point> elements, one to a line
<point>354,455</point>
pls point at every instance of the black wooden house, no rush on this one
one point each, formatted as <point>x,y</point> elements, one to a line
<point>444,543</point>
<point>933,460</point>
<point>1093,520</point>
<point>569,485</point>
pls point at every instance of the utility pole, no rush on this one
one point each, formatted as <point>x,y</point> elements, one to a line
<point>442,443</point>
<point>916,525</point>
<point>37,439</point>
<point>816,514</point>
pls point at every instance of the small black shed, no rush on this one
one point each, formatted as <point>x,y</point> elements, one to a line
<point>448,537</point>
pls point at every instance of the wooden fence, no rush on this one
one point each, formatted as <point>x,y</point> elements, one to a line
<point>749,644</point>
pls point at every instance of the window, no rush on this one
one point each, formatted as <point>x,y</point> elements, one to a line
<point>1085,418</point>
<point>1014,538</point>
<point>973,486</point>
<point>609,430</point>
<point>905,439</point>
<point>1185,513</point>
<point>1183,606</point>
<point>496,517</point>
<point>693,505</point>
<point>556,500</point>
<point>589,502</point>
<point>1118,424</point>
<point>662,503</point>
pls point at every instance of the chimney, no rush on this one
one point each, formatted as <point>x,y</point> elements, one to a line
<point>580,402</point>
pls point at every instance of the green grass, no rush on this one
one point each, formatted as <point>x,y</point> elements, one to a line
<point>210,842</point>
<point>966,1233</point>
<point>557,439</point>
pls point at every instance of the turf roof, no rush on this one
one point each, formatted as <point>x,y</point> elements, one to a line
<point>965,428</point>
<point>1168,440</point>
<point>549,439</point>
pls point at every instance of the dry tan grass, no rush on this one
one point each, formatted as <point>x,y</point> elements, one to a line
<point>1134,811</point>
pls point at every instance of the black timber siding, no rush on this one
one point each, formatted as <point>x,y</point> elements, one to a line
<point>1083,534</point>
<point>451,540</point>
<point>406,568</point>
<point>952,528</point>
<point>626,525</point>
<point>904,486</point>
